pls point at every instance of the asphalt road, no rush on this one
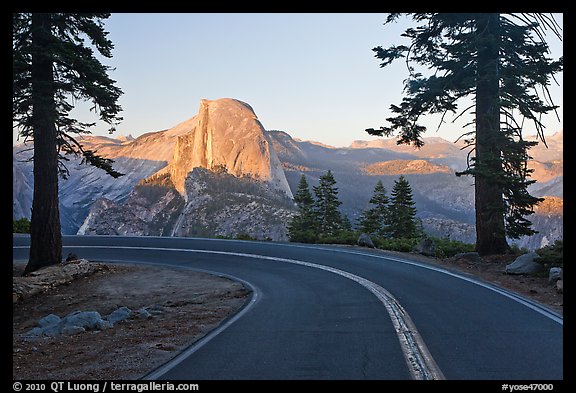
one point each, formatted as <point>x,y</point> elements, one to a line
<point>320,312</point>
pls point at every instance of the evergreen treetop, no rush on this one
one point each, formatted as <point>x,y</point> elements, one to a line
<point>327,205</point>
<point>402,212</point>
<point>374,221</point>
<point>303,226</point>
<point>76,75</point>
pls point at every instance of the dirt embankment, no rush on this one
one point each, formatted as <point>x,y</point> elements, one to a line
<point>184,304</point>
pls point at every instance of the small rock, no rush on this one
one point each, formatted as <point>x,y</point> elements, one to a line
<point>71,257</point>
<point>143,314</point>
<point>560,286</point>
<point>156,309</point>
<point>554,274</point>
<point>119,315</point>
<point>164,347</point>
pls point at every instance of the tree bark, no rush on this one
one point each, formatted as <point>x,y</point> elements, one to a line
<point>45,231</point>
<point>490,209</point>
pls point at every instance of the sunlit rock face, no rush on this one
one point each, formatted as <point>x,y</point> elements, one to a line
<point>227,136</point>
<point>222,179</point>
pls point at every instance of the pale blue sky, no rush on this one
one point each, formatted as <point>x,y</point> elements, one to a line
<point>312,75</point>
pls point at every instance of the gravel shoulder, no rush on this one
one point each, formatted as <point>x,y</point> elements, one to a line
<point>185,306</point>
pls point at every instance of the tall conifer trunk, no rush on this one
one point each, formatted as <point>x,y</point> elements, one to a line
<point>45,231</point>
<point>490,228</point>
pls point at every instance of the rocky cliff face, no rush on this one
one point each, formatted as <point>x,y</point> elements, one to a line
<point>217,204</point>
<point>220,204</point>
<point>226,135</point>
<point>151,209</point>
<point>84,185</point>
<point>223,179</point>
<point>548,220</point>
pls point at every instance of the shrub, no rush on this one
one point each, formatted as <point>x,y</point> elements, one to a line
<point>516,250</point>
<point>396,244</point>
<point>342,237</point>
<point>244,236</point>
<point>308,236</point>
<point>552,255</point>
<point>446,248</point>
<point>21,225</point>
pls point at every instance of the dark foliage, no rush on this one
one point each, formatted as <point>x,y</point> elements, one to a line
<point>501,60</point>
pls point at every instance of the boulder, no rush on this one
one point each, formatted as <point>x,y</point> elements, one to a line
<point>365,241</point>
<point>524,264</point>
<point>89,320</point>
<point>52,330</point>
<point>426,246</point>
<point>554,274</point>
<point>119,315</point>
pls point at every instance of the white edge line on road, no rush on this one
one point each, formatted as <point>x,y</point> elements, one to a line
<point>518,298</point>
<point>419,360</point>
<point>163,369</point>
<point>539,308</point>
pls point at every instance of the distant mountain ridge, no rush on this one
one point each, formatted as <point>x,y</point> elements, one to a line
<point>444,201</point>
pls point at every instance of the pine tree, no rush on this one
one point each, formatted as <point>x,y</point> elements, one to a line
<point>501,60</point>
<point>51,69</point>
<point>303,226</point>
<point>327,206</point>
<point>346,223</point>
<point>402,213</point>
<point>374,221</point>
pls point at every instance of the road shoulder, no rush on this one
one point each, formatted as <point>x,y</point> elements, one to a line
<point>184,305</point>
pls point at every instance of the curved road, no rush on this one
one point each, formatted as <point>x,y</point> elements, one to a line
<point>320,312</point>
